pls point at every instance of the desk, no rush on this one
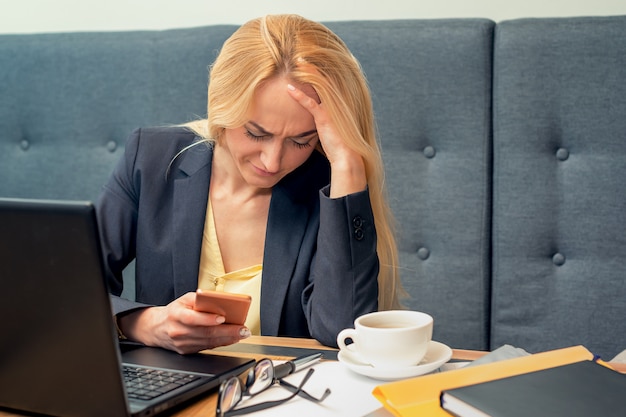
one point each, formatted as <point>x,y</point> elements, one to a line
<point>258,347</point>
<point>206,406</point>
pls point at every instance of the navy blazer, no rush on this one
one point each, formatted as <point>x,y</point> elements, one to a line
<point>320,265</point>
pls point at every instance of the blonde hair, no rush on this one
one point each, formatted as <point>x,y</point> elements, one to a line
<point>306,52</point>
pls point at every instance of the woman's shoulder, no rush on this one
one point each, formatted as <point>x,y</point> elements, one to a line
<point>166,146</point>
<point>164,141</point>
<point>169,134</point>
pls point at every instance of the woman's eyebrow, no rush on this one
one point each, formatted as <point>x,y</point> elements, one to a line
<point>262,131</point>
<point>305,134</point>
<point>259,128</point>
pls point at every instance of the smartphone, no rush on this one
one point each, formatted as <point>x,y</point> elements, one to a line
<point>234,307</point>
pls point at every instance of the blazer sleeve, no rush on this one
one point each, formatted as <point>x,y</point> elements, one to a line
<point>116,210</point>
<point>344,272</point>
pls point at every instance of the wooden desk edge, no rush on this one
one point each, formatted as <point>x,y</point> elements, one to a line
<point>293,342</point>
<point>457,354</point>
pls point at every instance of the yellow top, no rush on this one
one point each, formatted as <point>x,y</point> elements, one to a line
<point>213,277</point>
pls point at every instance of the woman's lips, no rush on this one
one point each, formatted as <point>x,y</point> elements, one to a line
<point>263,172</point>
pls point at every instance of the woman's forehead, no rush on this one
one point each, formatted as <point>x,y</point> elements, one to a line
<point>277,112</point>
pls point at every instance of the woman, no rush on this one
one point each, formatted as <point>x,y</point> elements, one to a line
<point>278,194</point>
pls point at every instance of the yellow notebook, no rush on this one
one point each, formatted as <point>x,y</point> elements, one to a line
<point>420,396</point>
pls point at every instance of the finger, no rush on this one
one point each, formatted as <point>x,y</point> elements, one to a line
<point>306,101</point>
<point>226,334</point>
<point>187,314</point>
<point>201,338</point>
<point>191,317</point>
<point>182,311</point>
<point>188,299</point>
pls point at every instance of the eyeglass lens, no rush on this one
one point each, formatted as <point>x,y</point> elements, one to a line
<point>263,377</point>
<point>258,379</point>
<point>230,394</point>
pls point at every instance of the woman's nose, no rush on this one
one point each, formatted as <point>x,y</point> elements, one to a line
<point>271,155</point>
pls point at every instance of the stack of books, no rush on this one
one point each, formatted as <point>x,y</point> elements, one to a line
<point>563,382</point>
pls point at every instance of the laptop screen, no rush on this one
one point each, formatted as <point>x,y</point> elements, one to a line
<point>59,352</point>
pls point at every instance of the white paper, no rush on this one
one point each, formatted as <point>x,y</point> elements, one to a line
<point>351,394</point>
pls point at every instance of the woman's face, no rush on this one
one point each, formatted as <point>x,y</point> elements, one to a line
<point>278,137</point>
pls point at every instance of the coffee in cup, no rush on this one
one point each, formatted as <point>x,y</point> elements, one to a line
<point>389,339</point>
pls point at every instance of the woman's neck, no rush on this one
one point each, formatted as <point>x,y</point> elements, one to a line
<point>226,180</point>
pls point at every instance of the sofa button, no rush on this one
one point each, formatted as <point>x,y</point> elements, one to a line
<point>562,154</point>
<point>24,144</point>
<point>429,152</point>
<point>111,146</point>
<point>423,253</point>
<point>558,259</point>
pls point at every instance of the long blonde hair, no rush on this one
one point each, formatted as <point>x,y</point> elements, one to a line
<point>306,52</point>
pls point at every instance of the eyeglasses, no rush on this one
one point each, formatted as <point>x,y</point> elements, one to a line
<point>253,382</point>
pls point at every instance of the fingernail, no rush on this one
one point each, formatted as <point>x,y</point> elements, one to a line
<point>220,319</point>
<point>244,333</point>
<point>291,87</point>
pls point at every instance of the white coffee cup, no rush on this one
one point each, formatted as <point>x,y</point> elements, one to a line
<point>389,339</point>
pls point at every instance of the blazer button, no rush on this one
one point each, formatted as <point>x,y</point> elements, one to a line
<point>358,233</point>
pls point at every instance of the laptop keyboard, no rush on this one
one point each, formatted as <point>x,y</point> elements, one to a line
<point>147,383</point>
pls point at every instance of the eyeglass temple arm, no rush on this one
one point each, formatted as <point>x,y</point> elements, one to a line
<point>302,393</point>
<point>269,404</point>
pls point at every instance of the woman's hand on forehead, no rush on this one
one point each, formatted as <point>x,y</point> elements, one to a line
<point>347,166</point>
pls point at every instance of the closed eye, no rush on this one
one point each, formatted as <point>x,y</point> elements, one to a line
<point>302,145</point>
<point>303,142</point>
<point>255,137</point>
<point>304,139</point>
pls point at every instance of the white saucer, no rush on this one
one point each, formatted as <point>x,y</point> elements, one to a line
<point>436,355</point>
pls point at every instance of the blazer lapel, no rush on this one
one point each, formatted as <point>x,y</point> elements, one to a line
<point>191,191</point>
<point>286,226</point>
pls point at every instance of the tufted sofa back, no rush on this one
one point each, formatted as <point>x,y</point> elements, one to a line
<point>510,215</point>
<point>68,101</point>
<point>559,212</point>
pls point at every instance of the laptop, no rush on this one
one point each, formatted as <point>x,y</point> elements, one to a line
<point>59,351</point>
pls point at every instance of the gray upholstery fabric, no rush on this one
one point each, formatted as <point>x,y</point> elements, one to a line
<point>431,82</point>
<point>559,217</point>
<point>69,101</point>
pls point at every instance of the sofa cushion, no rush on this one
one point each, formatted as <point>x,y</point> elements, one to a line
<point>559,216</point>
<point>68,101</point>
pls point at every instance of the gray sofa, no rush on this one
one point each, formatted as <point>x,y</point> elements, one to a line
<point>505,148</point>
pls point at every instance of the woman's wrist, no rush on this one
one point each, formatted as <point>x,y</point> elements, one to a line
<point>128,324</point>
<point>120,333</point>
<point>347,176</point>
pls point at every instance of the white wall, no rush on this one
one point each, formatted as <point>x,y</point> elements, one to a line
<point>33,16</point>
